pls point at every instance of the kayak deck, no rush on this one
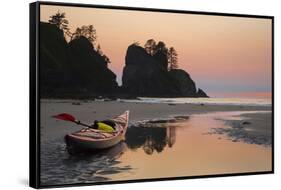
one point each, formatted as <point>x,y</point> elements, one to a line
<point>90,133</point>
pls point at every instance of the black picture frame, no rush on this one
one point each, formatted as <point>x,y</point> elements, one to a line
<point>34,99</point>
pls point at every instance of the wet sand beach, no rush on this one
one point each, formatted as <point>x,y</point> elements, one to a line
<point>163,140</point>
<point>251,127</point>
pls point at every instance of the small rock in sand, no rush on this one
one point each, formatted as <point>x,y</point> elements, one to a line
<point>76,103</point>
<point>171,104</point>
<point>183,117</point>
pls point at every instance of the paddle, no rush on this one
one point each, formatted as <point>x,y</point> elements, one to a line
<point>71,118</point>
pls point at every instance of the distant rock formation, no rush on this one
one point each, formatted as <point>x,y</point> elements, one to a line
<point>73,68</point>
<point>143,75</point>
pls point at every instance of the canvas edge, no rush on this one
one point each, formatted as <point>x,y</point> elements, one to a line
<point>34,131</point>
<point>153,9</point>
<point>34,145</point>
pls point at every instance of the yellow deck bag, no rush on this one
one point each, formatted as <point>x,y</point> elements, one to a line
<point>105,127</point>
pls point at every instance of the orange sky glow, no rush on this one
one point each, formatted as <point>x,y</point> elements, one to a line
<point>222,54</point>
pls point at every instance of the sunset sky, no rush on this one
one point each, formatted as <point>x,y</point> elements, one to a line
<point>225,56</point>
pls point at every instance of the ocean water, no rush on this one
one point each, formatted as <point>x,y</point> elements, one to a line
<point>207,101</point>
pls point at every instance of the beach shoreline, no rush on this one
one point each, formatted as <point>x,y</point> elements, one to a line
<point>87,111</point>
<point>139,111</point>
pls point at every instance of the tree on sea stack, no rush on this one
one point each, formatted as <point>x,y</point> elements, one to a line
<point>161,47</point>
<point>99,50</point>
<point>172,58</point>
<point>87,31</point>
<point>105,58</point>
<point>150,46</point>
<point>161,54</point>
<point>60,21</point>
<point>136,43</point>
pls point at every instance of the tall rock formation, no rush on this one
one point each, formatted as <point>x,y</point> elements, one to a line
<point>74,68</point>
<point>144,75</point>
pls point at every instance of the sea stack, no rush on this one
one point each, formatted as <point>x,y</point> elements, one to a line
<point>144,75</point>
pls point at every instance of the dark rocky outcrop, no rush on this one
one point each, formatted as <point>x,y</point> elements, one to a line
<point>76,70</point>
<point>184,83</point>
<point>201,93</point>
<point>53,58</point>
<point>73,68</point>
<point>88,68</point>
<point>144,75</point>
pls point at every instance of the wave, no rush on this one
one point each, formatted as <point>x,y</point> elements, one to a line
<point>207,101</point>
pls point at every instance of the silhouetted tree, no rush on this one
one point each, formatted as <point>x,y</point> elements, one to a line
<point>136,43</point>
<point>171,136</point>
<point>161,47</point>
<point>172,58</point>
<point>87,31</point>
<point>106,59</point>
<point>161,54</point>
<point>150,46</point>
<point>99,50</point>
<point>60,21</point>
